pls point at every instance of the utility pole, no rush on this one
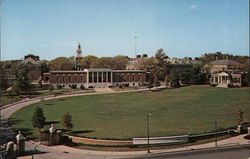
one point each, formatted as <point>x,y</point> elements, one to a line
<point>148,116</point>
<point>215,124</point>
<point>135,46</point>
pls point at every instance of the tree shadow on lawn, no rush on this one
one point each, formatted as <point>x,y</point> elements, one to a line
<point>82,131</point>
<point>14,121</point>
<point>26,132</point>
<point>52,122</point>
<point>49,104</point>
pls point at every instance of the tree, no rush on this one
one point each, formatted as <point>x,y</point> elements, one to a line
<point>167,81</point>
<point>119,62</point>
<point>161,65</point>
<point>38,119</point>
<point>61,63</point>
<point>67,121</point>
<point>175,80</point>
<point>156,82</point>
<point>51,88</point>
<point>150,83</point>
<point>22,82</point>
<point>87,61</point>
<point>103,62</point>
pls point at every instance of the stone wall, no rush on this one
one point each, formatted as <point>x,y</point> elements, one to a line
<point>99,142</point>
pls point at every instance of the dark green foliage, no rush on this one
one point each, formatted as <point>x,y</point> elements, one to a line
<point>210,57</point>
<point>38,119</point>
<point>59,86</point>
<point>246,79</point>
<point>156,82</point>
<point>22,82</point>
<point>175,80</point>
<point>82,87</point>
<point>67,121</point>
<point>194,76</point>
<point>51,88</point>
<point>150,83</point>
<point>73,86</point>
<point>167,81</point>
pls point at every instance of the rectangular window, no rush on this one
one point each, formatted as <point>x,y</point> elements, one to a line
<point>104,76</point>
<point>75,78</point>
<point>57,79</point>
<point>109,76</point>
<point>99,77</point>
<point>95,76</point>
<point>90,77</point>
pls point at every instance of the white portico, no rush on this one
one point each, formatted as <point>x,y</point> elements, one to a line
<point>99,78</point>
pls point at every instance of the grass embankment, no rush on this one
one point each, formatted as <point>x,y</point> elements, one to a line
<point>187,110</point>
<point>7,99</point>
<point>4,100</point>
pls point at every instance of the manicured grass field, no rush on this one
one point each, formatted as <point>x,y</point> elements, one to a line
<point>4,100</point>
<point>187,110</point>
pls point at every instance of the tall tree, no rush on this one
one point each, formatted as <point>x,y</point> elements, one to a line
<point>156,82</point>
<point>175,80</point>
<point>161,65</point>
<point>87,61</point>
<point>38,119</point>
<point>61,63</point>
<point>22,82</point>
<point>119,62</point>
<point>67,121</point>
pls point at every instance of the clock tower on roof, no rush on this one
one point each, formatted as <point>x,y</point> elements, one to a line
<point>79,52</point>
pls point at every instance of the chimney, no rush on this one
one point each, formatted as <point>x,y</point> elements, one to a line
<point>227,57</point>
<point>216,57</point>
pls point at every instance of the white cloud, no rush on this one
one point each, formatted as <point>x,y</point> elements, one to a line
<point>193,7</point>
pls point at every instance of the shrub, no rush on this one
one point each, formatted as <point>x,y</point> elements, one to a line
<point>126,85</point>
<point>120,86</point>
<point>59,86</point>
<point>82,86</point>
<point>110,86</point>
<point>91,87</point>
<point>73,86</point>
<point>51,88</point>
<point>213,85</point>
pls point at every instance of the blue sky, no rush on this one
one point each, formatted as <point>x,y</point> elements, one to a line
<point>52,28</point>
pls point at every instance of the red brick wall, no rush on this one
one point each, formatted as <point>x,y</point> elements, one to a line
<point>129,77</point>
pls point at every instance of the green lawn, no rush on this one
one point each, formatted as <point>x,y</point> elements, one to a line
<point>4,100</point>
<point>187,110</point>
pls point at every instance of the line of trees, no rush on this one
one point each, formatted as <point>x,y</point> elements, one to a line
<point>63,63</point>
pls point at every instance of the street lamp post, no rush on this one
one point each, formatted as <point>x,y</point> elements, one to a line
<point>148,116</point>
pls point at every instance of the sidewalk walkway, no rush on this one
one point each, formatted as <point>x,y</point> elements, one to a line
<point>104,90</point>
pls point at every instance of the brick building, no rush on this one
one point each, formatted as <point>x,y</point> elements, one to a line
<point>226,72</point>
<point>97,78</point>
